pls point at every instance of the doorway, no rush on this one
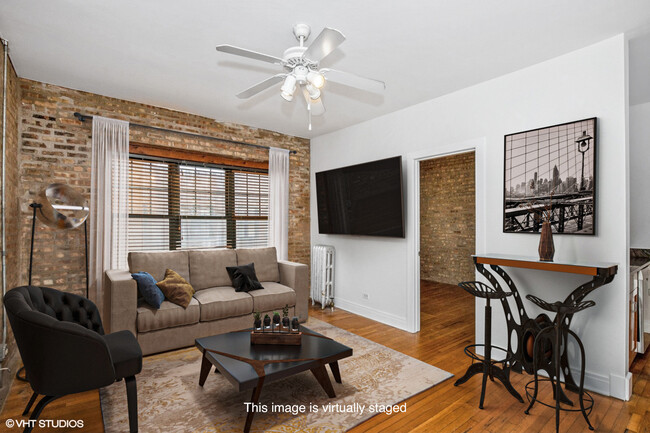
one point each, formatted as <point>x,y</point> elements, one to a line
<point>447,242</point>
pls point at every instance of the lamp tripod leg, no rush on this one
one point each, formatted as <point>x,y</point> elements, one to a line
<point>34,206</point>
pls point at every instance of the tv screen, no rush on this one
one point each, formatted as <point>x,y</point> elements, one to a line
<point>363,199</point>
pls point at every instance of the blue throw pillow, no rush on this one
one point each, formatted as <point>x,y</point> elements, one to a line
<point>148,289</point>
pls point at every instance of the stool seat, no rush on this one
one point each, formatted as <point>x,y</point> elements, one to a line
<point>561,307</point>
<point>485,364</point>
<point>560,332</point>
<point>480,290</point>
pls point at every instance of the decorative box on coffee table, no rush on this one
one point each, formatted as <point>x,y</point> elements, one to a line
<point>276,337</point>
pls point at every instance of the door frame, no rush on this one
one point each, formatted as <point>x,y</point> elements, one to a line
<point>413,160</point>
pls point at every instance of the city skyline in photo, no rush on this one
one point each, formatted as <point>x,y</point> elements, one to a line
<point>549,159</point>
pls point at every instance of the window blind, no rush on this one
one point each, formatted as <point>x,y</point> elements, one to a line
<point>180,205</point>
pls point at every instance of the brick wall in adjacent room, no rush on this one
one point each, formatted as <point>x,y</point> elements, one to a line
<point>447,218</point>
<point>56,147</point>
<point>11,213</point>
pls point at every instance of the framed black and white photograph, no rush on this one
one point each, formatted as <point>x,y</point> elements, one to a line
<point>551,170</point>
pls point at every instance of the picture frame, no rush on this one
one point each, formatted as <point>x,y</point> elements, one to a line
<point>554,168</point>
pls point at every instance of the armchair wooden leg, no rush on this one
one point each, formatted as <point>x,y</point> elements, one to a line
<point>37,411</point>
<point>29,405</point>
<point>132,400</point>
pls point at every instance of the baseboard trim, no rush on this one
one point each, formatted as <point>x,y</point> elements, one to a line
<point>620,386</point>
<point>594,381</point>
<point>372,313</point>
<point>612,385</point>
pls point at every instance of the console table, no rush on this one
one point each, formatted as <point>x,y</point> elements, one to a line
<point>526,328</point>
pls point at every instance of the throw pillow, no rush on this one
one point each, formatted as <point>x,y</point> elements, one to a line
<point>148,289</point>
<point>176,289</point>
<point>243,278</point>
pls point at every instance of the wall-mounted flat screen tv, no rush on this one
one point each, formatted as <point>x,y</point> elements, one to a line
<point>363,199</point>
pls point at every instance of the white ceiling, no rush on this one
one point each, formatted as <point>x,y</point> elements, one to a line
<point>162,52</point>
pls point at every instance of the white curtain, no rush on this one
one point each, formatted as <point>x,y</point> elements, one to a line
<point>279,201</point>
<point>108,200</point>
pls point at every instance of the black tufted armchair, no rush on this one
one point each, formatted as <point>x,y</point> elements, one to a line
<point>62,344</point>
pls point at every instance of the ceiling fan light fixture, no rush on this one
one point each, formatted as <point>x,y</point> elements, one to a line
<point>301,69</point>
<point>316,79</point>
<point>314,93</point>
<point>288,88</point>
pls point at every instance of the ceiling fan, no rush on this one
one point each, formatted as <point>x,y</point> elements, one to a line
<point>301,65</point>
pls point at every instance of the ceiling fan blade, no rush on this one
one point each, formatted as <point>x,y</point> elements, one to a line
<point>250,54</point>
<point>353,80</point>
<point>325,43</point>
<point>315,106</point>
<point>262,85</point>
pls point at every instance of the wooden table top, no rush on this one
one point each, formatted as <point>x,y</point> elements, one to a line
<point>583,268</point>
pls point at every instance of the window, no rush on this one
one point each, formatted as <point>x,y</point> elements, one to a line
<point>178,205</point>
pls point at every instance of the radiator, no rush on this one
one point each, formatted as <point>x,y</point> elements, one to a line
<point>322,275</point>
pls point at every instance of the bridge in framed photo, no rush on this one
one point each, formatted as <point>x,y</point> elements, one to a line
<point>572,213</point>
<point>552,170</point>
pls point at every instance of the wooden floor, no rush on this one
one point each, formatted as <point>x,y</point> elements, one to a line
<point>447,325</point>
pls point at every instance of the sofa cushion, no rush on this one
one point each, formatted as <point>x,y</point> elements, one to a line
<point>243,278</point>
<point>176,288</point>
<point>274,297</point>
<point>265,260</point>
<point>148,289</point>
<point>168,316</point>
<point>222,302</point>
<point>157,262</point>
<point>208,267</point>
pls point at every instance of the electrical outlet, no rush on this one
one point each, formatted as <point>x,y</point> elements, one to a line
<point>365,296</point>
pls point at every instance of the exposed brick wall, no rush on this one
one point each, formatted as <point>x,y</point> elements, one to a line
<point>447,218</point>
<point>12,210</point>
<point>56,147</point>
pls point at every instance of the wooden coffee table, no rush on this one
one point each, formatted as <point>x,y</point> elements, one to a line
<point>249,366</point>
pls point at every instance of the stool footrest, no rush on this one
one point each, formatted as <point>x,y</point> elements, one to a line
<point>510,358</point>
<point>587,398</point>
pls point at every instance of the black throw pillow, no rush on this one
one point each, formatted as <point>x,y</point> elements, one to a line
<point>243,278</point>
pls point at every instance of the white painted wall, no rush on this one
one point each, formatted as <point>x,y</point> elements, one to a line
<point>640,176</point>
<point>585,83</point>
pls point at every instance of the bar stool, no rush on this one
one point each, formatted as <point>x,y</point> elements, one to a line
<point>559,332</point>
<point>486,364</point>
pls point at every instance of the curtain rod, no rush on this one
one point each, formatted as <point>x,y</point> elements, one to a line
<point>84,117</point>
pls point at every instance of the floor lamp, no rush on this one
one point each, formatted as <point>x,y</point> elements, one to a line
<point>62,207</point>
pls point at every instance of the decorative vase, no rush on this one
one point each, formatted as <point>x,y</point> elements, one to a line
<point>276,321</point>
<point>546,248</point>
<point>295,325</point>
<point>258,324</point>
<point>267,323</point>
<point>286,323</point>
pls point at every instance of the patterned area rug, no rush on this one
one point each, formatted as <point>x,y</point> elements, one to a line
<point>171,401</point>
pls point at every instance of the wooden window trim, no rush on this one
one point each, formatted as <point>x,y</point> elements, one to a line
<point>193,156</point>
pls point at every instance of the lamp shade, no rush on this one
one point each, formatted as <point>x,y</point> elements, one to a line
<point>62,207</point>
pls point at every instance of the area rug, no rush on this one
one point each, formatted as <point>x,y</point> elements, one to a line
<point>171,401</point>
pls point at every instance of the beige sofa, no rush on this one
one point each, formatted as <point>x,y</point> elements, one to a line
<point>215,307</point>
